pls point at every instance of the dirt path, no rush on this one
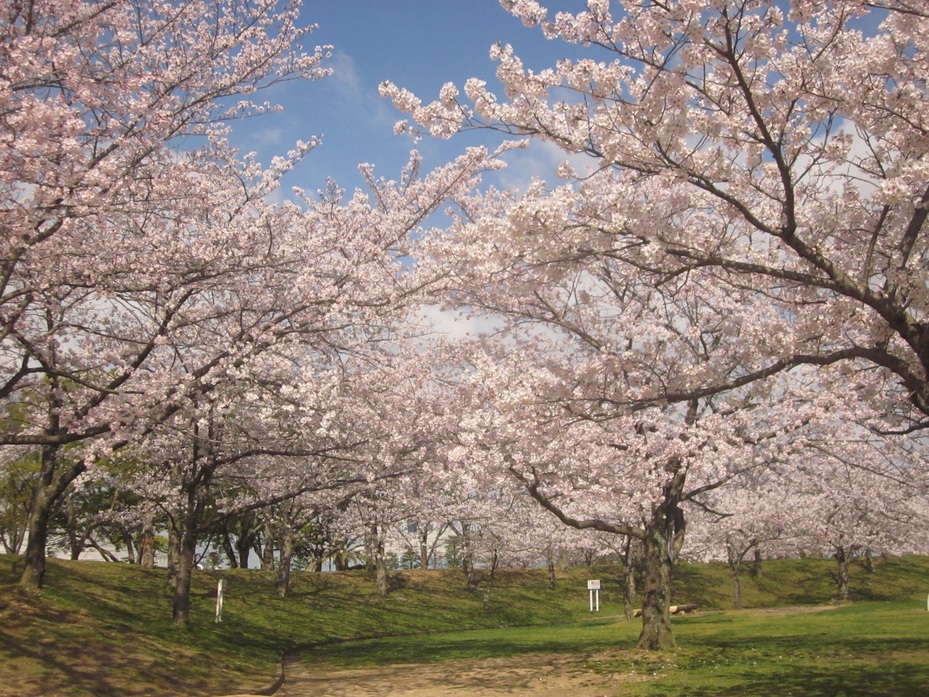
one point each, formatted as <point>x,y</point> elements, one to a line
<point>538,675</point>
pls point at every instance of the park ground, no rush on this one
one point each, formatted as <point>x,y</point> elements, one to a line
<point>102,628</point>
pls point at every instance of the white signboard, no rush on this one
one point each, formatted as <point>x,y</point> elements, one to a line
<point>594,588</point>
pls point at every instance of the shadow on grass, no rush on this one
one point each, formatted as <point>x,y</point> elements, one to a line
<point>689,585</point>
<point>852,680</point>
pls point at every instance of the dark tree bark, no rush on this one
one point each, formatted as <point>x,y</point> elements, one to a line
<point>663,539</point>
<point>54,478</point>
<point>841,579</point>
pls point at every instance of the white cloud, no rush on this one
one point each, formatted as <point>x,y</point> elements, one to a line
<point>540,160</point>
<point>456,324</point>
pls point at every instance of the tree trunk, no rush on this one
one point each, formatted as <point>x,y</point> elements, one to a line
<point>129,542</point>
<point>186,554</point>
<point>467,556</point>
<point>180,609</point>
<point>174,554</point>
<point>243,548</point>
<point>735,567</point>
<point>76,540</point>
<point>841,579</point>
<point>49,488</point>
<point>267,553</point>
<point>424,549</point>
<point>757,571</point>
<point>147,557</point>
<point>340,556</point>
<point>629,590</point>
<point>380,564</point>
<point>283,569</point>
<point>33,575</point>
<point>663,538</point>
<point>656,599</point>
<point>737,587</point>
<point>228,548</point>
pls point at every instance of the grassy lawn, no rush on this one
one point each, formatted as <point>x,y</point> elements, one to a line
<point>873,648</point>
<point>860,650</point>
<point>101,628</point>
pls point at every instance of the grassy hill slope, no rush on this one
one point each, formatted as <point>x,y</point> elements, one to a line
<point>101,628</point>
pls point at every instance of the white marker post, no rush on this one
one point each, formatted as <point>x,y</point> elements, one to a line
<point>219,602</point>
<point>594,588</point>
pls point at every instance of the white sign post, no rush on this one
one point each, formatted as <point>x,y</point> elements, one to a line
<point>219,602</point>
<point>594,588</point>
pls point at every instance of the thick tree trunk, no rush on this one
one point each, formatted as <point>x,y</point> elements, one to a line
<point>49,488</point>
<point>243,548</point>
<point>186,554</point>
<point>33,575</point>
<point>663,538</point>
<point>656,598</point>
<point>180,609</point>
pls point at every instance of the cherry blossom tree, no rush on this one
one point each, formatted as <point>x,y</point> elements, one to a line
<point>782,150</point>
<point>759,513</point>
<point>113,168</point>
<point>145,277</point>
<point>744,193</point>
<point>860,496</point>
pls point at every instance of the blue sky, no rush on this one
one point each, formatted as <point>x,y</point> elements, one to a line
<point>417,44</point>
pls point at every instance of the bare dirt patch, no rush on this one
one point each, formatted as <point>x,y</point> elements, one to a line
<point>539,675</point>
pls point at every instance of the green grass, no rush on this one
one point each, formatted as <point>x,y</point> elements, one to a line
<point>102,628</point>
<point>862,650</point>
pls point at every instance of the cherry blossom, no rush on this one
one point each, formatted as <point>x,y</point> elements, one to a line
<point>751,214</point>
